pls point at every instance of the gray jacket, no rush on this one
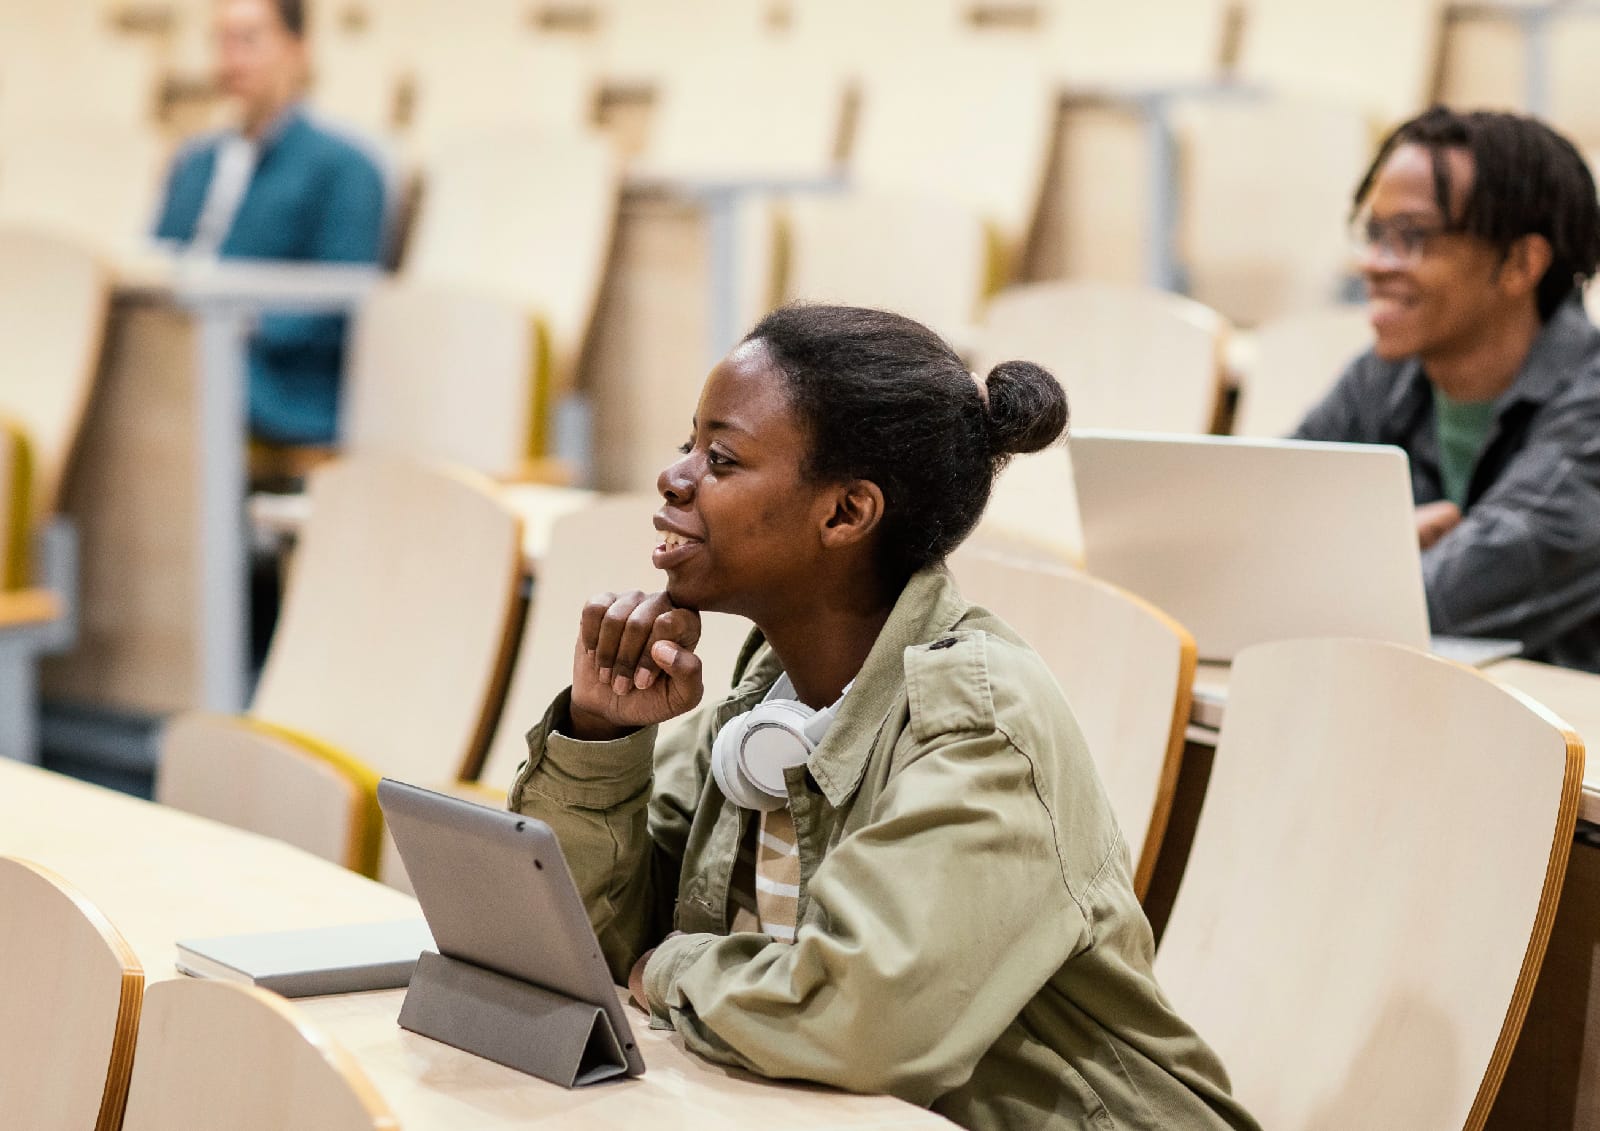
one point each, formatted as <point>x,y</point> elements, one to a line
<point>1525,561</point>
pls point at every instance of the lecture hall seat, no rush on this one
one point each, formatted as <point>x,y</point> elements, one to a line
<point>1130,357</point>
<point>1127,670</point>
<point>70,992</point>
<point>926,257</point>
<point>389,657</point>
<point>96,182</point>
<point>215,1056</point>
<point>524,214</point>
<point>1288,364</point>
<point>1371,884</point>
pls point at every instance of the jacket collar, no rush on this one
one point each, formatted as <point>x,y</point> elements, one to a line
<point>1557,353</point>
<point>928,606</point>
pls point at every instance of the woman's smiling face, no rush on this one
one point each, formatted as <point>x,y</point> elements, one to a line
<point>741,526</point>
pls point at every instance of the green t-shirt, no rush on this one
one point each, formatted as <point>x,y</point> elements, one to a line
<point>1463,426</point>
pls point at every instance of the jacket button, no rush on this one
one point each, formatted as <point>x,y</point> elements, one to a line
<point>947,642</point>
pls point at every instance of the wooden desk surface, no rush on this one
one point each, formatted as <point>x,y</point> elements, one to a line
<point>1573,695</point>
<point>160,875</point>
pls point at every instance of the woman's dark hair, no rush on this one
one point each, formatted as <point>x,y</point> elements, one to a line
<point>886,399</point>
<point>1527,180</point>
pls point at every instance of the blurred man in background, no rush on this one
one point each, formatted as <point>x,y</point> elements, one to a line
<point>280,187</point>
<point>1477,233</point>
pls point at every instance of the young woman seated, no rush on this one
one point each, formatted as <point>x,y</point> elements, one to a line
<point>883,861</point>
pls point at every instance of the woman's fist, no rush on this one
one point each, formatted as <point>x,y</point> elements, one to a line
<point>634,664</point>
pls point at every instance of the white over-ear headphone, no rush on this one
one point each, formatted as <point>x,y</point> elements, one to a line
<point>752,750</point>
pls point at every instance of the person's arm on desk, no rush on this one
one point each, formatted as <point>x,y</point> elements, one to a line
<point>900,990</point>
<point>1524,561</point>
<point>619,799</point>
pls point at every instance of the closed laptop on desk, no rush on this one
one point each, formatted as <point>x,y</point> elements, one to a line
<point>1244,541</point>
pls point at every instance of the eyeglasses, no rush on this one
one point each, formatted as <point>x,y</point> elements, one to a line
<point>1400,243</point>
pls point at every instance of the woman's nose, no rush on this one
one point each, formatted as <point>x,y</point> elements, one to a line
<point>676,481</point>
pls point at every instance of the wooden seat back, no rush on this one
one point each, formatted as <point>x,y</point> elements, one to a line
<point>442,373</point>
<point>53,300</point>
<point>1264,190</point>
<point>966,120</point>
<point>1129,357</point>
<point>1127,670</point>
<point>1293,362</point>
<point>762,114</point>
<point>70,989</point>
<point>1371,884</point>
<point>527,215</point>
<point>603,547</point>
<point>1379,55</point>
<point>255,776</point>
<point>398,622</point>
<point>924,257</point>
<point>512,80</point>
<point>1033,509</point>
<point>1134,45</point>
<point>97,182</point>
<point>215,1054</point>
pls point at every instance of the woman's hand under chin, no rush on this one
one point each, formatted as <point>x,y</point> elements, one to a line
<point>634,664</point>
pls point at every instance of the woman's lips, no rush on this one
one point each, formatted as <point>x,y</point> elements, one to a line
<point>673,549</point>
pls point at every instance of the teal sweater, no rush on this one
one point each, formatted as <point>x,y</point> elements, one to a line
<point>313,196</point>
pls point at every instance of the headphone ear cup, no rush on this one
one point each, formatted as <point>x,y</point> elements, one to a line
<point>752,751</point>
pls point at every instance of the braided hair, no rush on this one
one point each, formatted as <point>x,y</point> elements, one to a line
<point>1528,180</point>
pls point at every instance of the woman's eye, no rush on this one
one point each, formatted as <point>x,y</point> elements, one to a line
<point>686,447</point>
<point>717,459</point>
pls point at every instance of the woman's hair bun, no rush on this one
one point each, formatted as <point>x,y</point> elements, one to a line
<point>1027,408</point>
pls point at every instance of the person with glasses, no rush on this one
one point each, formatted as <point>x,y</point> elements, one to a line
<point>279,186</point>
<point>1476,233</point>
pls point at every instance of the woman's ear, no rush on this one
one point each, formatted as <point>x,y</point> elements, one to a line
<point>857,510</point>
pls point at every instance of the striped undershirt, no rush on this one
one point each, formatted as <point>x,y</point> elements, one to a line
<point>766,878</point>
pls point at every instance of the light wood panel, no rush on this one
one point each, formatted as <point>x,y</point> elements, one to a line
<point>1340,873</point>
<point>1135,44</point>
<point>442,373</point>
<point>95,182</point>
<point>251,776</point>
<point>603,547</point>
<point>399,617</point>
<point>1380,55</point>
<point>54,295</point>
<point>652,343</point>
<point>217,1055</point>
<point>1265,190</point>
<point>70,989</point>
<point>646,43</point>
<point>1127,670</point>
<point>762,114</point>
<point>134,497</point>
<point>1033,509</point>
<point>1290,364</point>
<point>921,256</point>
<point>968,121</point>
<point>164,875</point>
<point>507,81</point>
<point>526,214</point>
<point>1129,357</point>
